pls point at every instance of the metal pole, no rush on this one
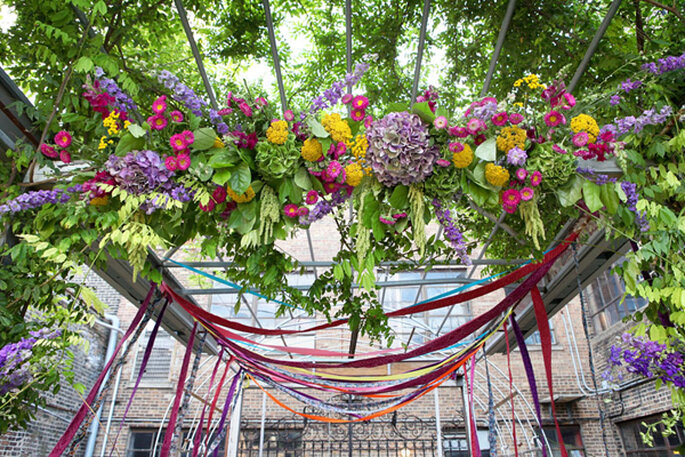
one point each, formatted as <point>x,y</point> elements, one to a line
<point>348,46</point>
<point>593,45</point>
<point>438,426</point>
<point>234,426</point>
<point>274,54</point>
<point>498,46</point>
<point>196,53</point>
<point>261,426</point>
<point>419,51</point>
<point>467,411</point>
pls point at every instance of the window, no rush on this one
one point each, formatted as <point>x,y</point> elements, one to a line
<point>604,296</point>
<point>454,443</point>
<point>572,441</point>
<point>281,442</point>
<point>664,446</point>
<point>424,325</point>
<point>159,363</point>
<point>534,339</point>
<point>142,442</point>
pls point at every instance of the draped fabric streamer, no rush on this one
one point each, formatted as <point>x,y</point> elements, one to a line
<point>198,432</point>
<point>237,383</point>
<point>472,419</point>
<point>76,422</point>
<point>511,391</point>
<point>216,398</point>
<point>492,424</point>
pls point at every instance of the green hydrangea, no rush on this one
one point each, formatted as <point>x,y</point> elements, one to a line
<point>444,182</point>
<point>275,161</point>
<point>556,168</point>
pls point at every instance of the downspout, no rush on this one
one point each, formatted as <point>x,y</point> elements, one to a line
<point>115,328</point>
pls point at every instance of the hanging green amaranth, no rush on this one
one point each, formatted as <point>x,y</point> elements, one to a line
<point>417,206</point>
<point>362,241</point>
<point>530,214</point>
<point>269,214</point>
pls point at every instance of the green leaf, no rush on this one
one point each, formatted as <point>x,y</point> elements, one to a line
<point>378,229</point>
<point>610,199</point>
<point>221,176</point>
<point>424,112</point>
<point>591,194</point>
<point>136,130</point>
<point>128,143</point>
<point>399,199</point>
<point>91,299</point>
<point>487,150</point>
<point>316,128</point>
<point>302,179</point>
<point>100,7</point>
<point>571,192</point>
<point>240,178</point>
<point>224,158</point>
<point>83,65</point>
<point>204,139</point>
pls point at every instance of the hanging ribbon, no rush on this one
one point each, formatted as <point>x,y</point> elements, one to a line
<point>492,433</point>
<point>76,422</point>
<point>141,371</point>
<point>528,366</point>
<point>198,432</point>
<point>216,397</point>
<point>180,387</point>
<point>472,408</point>
<point>511,392</point>
<point>546,343</point>
<point>238,378</point>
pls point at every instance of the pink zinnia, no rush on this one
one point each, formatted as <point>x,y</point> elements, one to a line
<point>580,139</point>
<point>334,169</point>
<point>475,125</point>
<point>554,118</point>
<point>455,147</point>
<point>245,108</point>
<point>510,209</point>
<point>360,102</point>
<point>302,211</point>
<point>521,174</point>
<point>559,149</point>
<point>347,98</point>
<point>63,139</point>
<point>159,105</point>
<point>157,122</point>
<point>188,137</point>
<point>499,119</point>
<point>459,132</point>
<point>260,102</point>
<point>515,118</point>
<point>357,114</point>
<point>443,163</point>
<point>511,197</point>
<point>178,143</point>
<point>176,116</point>
<point>311,197</point>
<point>289,115</point>
<point>480,139</point>
<point>171,163</point>
<point>570,101</point>
<point>440,122</point>
<point>526,194</point>
<point>535,178</point>
<point>219,194</point>
<point>368,121</point>
<point>183,161</point>
<point>225,111</point>
<point>290,210</point>
<point>331,187</point>
<point>48,151</point>
<point>64,156</point>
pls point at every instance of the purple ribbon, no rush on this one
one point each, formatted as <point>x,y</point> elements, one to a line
<point>227,406</point>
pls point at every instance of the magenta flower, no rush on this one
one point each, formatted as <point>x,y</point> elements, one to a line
<point>176,116</point>
<point>511,197</point>
<point>347,98</point>
<point>442,163</point>
<point>289,115</point>
<point>63,139</point>
<point>521,174</point>
<point>440,122</point>
<point>368,121</point>
<point>570,101</point>
<point>64,156</point>
<point>399,215</point>
<point>580,139</point>
<point>475,125</point>
<point>178,143</point>
<point>245,108</point>
<point>225,111</point>
<point>312,197</point>
<point>171,163</point>
<point>290,210</point>
<point>526,194</point>
<point>559,149</point>
<point>360,102</point>
<point>535,178</point>
<point>499,119</point>
<point>334,169</point>
<point>302,211</point>
<point>159,105</point>
<point>229,98</point>
<point>48,151</point>
<point>260,102</point>
<point>331,187</point>
<point>219,194</point>
<point>515,118</point>
<point>386,221</point>
<point>188,137</point>
<point>480,139</point>
<point>554,118</point>
<point>455,146</point>
<point>183,161</point>
<point>209,207</point>
<point>358,114</point>
<point>157,122</point>
<point>510,209</point>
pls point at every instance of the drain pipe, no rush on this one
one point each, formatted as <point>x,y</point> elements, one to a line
<point>115,327</point>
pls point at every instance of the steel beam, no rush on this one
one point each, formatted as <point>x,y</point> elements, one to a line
<point>419,51</point>
<point>274,54</point>
<point>498,47</point>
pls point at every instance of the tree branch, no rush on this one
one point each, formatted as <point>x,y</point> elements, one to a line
<point>671,9</point>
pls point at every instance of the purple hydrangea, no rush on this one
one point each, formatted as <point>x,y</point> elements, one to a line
<point>400,151</point>
<point>485,111</point>
<point>38,198</point>
<point>516,157</point>
<point>140,172</point>
<point>670,63</point>
<point>452,232</point>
